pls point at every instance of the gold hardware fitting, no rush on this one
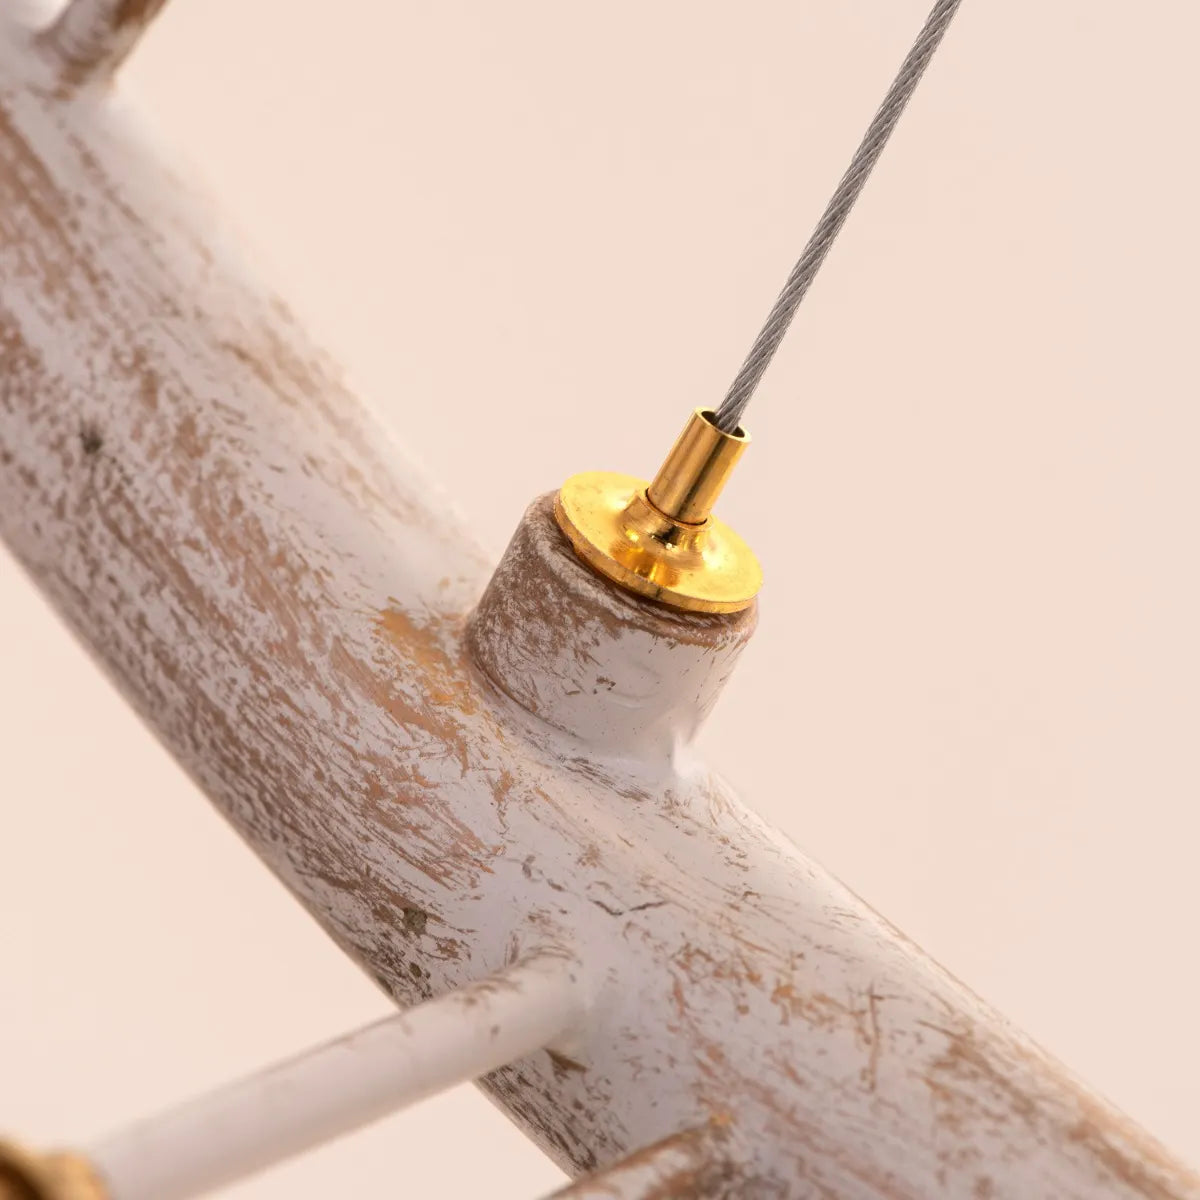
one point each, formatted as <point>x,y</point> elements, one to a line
<point>25,1175</point>
<point>661,539</point>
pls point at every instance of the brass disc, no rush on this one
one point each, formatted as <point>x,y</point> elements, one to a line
<point>614,528</point>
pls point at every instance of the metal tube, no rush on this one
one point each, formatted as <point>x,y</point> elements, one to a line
<point>696,470</point>
<point>238,1129</point>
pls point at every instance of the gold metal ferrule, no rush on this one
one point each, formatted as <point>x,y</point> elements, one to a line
<point>694,473</point>
<point>660,539</point>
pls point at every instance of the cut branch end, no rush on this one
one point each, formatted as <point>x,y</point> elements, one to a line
<point>91,38</point>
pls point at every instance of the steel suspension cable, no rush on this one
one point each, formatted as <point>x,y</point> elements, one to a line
<point>729,415</point>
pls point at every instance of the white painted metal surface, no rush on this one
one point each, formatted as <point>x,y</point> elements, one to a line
<point>217,1139</point>
<point>285,599</point>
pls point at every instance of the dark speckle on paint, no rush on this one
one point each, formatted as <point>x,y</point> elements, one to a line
<point>91,440</point>
<point>415,920</point>
<point>563,1065</point>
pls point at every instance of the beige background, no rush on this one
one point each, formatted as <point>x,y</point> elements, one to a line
<point>538,233</point>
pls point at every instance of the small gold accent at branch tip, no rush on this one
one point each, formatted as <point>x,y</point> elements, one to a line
<point>57,1175</point>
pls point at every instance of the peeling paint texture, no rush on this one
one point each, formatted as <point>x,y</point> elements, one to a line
<point>285,599</point>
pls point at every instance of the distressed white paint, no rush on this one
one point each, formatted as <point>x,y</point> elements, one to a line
<point>692,1165</point>
<point>284,599</point>
<point>219,1138</point>
<point>629,679</point>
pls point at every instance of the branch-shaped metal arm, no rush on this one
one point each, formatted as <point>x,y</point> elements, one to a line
<point>443,779</point>
<point>91,38</point>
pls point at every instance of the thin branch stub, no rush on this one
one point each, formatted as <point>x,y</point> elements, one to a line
<point>90,39</point>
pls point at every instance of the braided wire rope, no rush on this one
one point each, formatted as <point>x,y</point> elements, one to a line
<point>729,415</point>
